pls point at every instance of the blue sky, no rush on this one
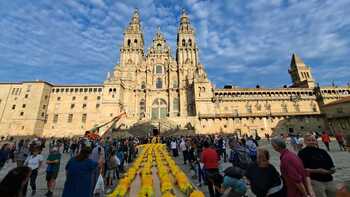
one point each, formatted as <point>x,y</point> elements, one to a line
<point>241,42</point>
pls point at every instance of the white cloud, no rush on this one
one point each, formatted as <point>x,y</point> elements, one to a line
<point>250,41</point>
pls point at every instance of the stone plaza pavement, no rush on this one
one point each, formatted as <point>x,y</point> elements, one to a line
<point>340,158</point>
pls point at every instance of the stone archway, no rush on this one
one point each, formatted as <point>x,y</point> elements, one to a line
<point>159,109</point>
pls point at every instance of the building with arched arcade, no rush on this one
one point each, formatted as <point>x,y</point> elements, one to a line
<point>153,87</point>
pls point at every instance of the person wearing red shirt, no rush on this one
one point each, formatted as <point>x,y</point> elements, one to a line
<point>340,139</point>
<point>296,178</point>
<point>210,159</point>
<point>325,139</point>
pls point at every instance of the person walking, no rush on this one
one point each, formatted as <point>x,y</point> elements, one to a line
<point>340,139</point>
<point>183,149</point>
<point>53,167</point>
<point>80,170</point>
<point>292,170</point>
<point>320,166</point>
<point>4,154</point>
<point>173,147</point>
<point>326,140</point>
<point>15,182</point>
<point>210,159</point>
<point>263,177</point>
<point>34,161</point>
<point>111,167</point>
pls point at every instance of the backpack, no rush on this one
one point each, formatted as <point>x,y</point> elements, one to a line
<point>252,150</point>
<point>113,163</point>
<point>240,158</point>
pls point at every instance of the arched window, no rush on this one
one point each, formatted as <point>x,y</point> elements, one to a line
<point>297,107</point>
<point>142,106</point>
<point>159,69</point>
<point>284,107</point>
<point>159,109</point>
<point>190,42</point>
<point>176,104</point>
<point>143,85</point>
<point>135,41</point>
<point>159,83</point>
<point>129,42</point>
<point>183,42</point>
<point>175,84</point>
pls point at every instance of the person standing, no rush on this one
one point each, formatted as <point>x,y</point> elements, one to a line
<point>320,166</point>
<point>53,167</point>
<point>183,149</point>
<point>20,155</point>
<point>173,147</point>
<point>263,177</point>
<point>340,139</point>
<point>15,182</point>
<point>210,159</point>
<point>34,162</point>
<point>4,154</point>
<point>111,168</point>
<point>80,170</point>
<point>326,139</point>
<point>292,170</point>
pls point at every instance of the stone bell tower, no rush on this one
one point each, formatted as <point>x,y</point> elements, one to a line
<point>132,50</point>
<point>187,51</point>
<point>300,73</point>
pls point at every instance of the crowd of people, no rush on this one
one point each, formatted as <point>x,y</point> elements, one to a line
<point>306,171</point>
<point>89,160</point>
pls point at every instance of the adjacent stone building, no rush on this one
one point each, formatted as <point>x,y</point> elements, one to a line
<point>155,88</point>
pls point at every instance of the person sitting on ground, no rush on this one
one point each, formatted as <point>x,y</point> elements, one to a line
<point>15,182</point>
<point>320,166</point>
<point>263,177</point>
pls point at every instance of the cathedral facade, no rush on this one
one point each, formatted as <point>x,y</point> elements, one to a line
<point>153,87</point>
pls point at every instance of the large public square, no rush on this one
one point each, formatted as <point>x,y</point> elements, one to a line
<point>340,158</point>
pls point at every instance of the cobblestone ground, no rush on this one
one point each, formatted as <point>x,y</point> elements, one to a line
<point>341,160</point>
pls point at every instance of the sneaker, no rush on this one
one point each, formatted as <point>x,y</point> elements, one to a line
<point>33,192</point>
<point>199,184</point>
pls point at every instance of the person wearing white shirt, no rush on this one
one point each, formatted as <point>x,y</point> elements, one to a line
<point>34,162</point>
<point>183,149</point>
<point>173,146</point>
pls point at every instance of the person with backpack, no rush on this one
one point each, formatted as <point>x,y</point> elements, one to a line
<point>239,156</point>
<point>263,177</point>
<point>251,146</point>
<point>112,165</point>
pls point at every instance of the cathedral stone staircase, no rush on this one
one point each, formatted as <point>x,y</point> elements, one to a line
<point>145,127</point>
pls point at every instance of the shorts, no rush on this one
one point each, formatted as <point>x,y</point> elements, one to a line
<point>51,175</point>
<point>110,173</point>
